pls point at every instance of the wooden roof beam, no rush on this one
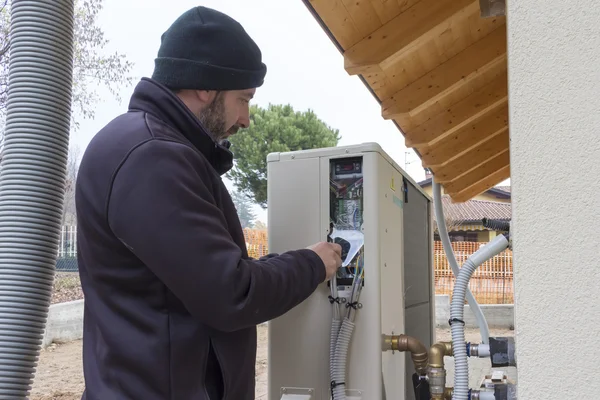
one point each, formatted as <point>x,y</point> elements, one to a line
<point>453,80</point>
<point>479,174</point>
<point>489,182</point>
<point>459,115</point>
<point>468,137</point>
<point>338,21</point>
<point>407,31</point>
<point>472,159</point>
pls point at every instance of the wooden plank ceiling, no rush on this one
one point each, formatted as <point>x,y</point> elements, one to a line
<point>439,70</point>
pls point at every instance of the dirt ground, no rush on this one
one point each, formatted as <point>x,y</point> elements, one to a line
<point>59,375</point>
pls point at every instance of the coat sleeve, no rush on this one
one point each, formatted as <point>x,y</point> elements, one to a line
<point>161,208</point>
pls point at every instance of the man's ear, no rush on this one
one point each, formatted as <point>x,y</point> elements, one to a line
<point>206,96</point>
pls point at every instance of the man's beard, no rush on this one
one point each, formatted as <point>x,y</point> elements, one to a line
<point>213,119</point>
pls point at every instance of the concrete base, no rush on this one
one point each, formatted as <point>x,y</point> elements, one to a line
<point>497,315</point>
<point>65,322</point>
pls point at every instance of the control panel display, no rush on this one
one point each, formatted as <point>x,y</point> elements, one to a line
<point>346,215</point>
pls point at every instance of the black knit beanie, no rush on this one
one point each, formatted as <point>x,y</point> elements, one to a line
<point>205,49</point>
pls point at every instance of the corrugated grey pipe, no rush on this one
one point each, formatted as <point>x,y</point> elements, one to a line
<point>441,224</point>
<point>32,181</point>
<point>457,309</point>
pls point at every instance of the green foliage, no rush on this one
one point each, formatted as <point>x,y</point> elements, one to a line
<point>278,128</point>
<point>91,65</point>
<point>244,209</point>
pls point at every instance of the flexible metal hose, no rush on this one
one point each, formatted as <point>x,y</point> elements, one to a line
<point>32,181</point>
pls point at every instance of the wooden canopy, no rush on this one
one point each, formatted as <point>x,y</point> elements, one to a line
<point>439,70</point>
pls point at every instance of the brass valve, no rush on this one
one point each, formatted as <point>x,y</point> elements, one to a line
<point>417,350</point>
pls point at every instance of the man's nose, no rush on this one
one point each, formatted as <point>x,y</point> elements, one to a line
<point>244,122</point>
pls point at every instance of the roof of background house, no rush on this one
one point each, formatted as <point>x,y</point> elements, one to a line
<point>501,192</point>
<point>473,211</point>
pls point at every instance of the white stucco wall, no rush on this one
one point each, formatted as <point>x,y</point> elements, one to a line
<point>554,70</point>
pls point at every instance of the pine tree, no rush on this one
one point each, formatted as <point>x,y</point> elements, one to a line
<point>244,209</point>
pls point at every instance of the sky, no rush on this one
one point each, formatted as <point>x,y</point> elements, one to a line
<point>305,69</point>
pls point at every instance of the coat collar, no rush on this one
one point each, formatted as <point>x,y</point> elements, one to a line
<point>152,97</point>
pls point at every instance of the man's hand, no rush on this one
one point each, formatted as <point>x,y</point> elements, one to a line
<point>331,254</point>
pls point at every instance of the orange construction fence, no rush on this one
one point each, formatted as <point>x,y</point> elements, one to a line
<point>492,283</point>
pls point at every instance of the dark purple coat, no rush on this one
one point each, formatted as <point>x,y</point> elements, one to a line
<point>172,299</point>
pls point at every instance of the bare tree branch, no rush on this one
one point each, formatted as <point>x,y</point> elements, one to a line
<point>4,49</point>
<point>93,66</point>
<point>69,215</point>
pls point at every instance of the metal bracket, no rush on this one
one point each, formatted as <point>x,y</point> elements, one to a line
<point>292,393</point>
<point>353,394</point>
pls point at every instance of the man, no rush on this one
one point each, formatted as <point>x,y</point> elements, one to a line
<point>172,299</point>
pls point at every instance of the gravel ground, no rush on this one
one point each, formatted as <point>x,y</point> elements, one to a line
<point>59,375</point>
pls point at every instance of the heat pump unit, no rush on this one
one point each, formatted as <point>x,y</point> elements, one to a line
<point>359,197</point>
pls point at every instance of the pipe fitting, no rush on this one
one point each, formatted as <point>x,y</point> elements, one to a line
<point>437,382</point>
<point>505,391</point>
<point>417,350</point>
<point>502,352</point>
<point>447,395</point>
<point>478,350</point>
<point>436,372</point>
<point>482,395</point>
<point>437,353</point>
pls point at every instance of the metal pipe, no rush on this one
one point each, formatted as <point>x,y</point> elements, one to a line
<point>436,372</point>
<point>448,393</point>
<point>478,350</point>
<point>437,352</point>
<point>437,383</point>
<point>445,238</point>
<point>417,350</point>
<point>32,181</point>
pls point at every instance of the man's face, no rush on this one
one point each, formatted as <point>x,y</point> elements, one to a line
<point>227,113</point>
